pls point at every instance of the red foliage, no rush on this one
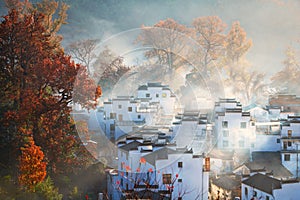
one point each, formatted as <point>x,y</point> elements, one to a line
<point>38,89</point>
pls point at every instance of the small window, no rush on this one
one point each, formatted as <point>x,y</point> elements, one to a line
<point>120,106</point>
<point>278,140</point>
<point>243,124</point>
<point>139,116</point>
<point>246,191</point>
<point>112,127</point>
<point>179,180</point>
<point>167,179</point>
<point>112,116</point>
<point>289,143</point>
<point>224,124</point>
<point>225,144</point>
<point>179,198</point>
<point>267,197</point>
<point>254,193</point>
<point>179,164</point>
<point>287,157</point>
<point>225,133</point>
<point>157,95</point>
<point>163,95</point>
<point>147,95</point>
<point>129,109</point>
<point>290,133</point>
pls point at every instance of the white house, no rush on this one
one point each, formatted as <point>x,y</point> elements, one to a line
<point>147,166</point>
<point>193,130</point>
<point>122,114</point>
<point>257,112</point>
<point>156,92</point>
<point>260,186</point>
<point>234,128</point>
<point>267,136</point>
<point>290,140</point>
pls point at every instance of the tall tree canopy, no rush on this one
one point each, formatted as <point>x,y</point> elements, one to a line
<point>209,33</point>
<point>287,80</point>
<point>165,40</point>
<point>37,90</point>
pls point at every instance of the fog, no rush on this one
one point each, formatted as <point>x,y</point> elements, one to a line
<point>273,25</point>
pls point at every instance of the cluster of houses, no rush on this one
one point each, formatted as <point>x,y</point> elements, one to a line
<point>230,151</point>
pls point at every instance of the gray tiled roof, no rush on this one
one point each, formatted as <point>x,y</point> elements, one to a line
<point>160,154</point>
<point>263,183</point>
<point>271,161</point>
<point>132,145</point>
<point>227,182</point>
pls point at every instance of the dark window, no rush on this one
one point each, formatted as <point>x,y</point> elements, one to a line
<point>112,127</point>
<point>267,197</point>
<point>278,140</point>
<point>289,143</point>
<point>179,180</point>
<point>246,191</point>
<point>139,116</point>
<point>112,116</point>
<point>129,109</point>
<point>119,106</point>
<point>157,95</point>
<point>224,124</point>
<point>147,95</point>
<point>254,193</point>
<point>179,164</point>
<point>287,157</point>
<point>243,124</point>
<point>167,179</point>
<point>179,198</point>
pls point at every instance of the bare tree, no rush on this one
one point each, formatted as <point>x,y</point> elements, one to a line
<point>83,51</point>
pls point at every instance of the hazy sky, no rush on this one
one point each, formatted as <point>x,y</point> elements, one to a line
<point>272,25</point>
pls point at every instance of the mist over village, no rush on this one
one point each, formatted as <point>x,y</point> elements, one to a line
<point>110,100</point>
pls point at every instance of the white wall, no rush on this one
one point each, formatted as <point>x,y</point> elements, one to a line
<point>236,133</point>
<point>265,142</point>
<point>289,191</point>
<point>194,180</point>
<point>292,164</point>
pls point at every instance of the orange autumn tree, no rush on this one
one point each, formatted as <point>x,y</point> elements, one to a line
<point>32,166</point>
<point>36,93</point>
<point>166,38</point>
